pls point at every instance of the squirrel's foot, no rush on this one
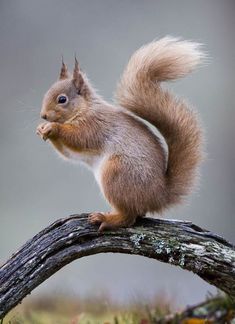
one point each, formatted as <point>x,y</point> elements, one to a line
<point>96,218</point>
<point>110,220</point>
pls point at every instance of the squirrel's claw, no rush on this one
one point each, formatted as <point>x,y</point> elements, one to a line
<point>44,130</point>
<point>100,218</point>
<point>96,218</point>
<point>104,226</point>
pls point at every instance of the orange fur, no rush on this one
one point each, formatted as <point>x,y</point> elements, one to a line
<point>140,92</point>
<point>134,172</point>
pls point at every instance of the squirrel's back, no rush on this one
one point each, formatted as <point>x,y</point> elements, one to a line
<point>140,92</point>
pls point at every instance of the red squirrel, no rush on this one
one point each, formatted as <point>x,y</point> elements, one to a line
<point>135,172</point>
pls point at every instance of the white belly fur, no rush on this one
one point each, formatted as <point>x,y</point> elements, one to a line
<point>93,161</point>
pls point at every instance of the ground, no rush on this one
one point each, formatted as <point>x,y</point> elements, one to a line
<point>218,309</point>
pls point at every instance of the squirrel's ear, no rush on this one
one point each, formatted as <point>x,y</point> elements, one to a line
<point>64,74</point>
<point>77,77</point>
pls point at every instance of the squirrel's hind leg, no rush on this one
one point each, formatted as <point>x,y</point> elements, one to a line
<point>111,220</point>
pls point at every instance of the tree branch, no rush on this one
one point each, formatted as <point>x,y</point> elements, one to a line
<point>176,242</point>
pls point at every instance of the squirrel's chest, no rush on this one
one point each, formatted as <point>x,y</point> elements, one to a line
<point>91,159</point>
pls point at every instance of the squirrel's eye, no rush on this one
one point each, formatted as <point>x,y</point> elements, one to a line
<point>62,99</point>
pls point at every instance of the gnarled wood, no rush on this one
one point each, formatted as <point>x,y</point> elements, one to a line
<point>180,243</point>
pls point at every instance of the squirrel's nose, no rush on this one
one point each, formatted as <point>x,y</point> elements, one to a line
<point>44,116</point>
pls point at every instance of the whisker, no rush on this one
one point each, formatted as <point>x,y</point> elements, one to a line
<point>30,123</point>
<point>27,106</point>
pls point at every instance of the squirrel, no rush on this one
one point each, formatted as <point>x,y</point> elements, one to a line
<point>137,174</point>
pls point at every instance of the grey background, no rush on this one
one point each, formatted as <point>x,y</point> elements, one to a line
<point>37,187</point>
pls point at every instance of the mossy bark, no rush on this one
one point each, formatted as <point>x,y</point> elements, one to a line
<point>179,243</point>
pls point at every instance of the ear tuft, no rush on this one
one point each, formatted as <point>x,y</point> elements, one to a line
<point>77,77</point>
<point>64,71</point>
<point>76,64</point>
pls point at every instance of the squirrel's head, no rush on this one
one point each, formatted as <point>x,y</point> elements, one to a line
<point>68,96</point>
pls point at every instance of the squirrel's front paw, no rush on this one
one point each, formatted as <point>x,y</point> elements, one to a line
<point>46,130</point>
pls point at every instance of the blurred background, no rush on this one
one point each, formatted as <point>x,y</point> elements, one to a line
<point>37,187</point>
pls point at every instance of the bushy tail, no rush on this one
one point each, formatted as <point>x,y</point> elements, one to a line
<point>140,92</point>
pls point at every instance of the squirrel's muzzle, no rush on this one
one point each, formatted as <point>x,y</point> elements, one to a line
<point>44,116</point>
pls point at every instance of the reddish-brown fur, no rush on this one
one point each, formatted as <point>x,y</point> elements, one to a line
<point>134,172</point>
